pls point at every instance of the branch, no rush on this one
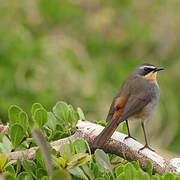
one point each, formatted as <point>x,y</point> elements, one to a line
<point>127,149</point>
<point>30,153</point>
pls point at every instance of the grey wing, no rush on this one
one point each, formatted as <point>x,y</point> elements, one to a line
<point>138,99</point>
<point>133,105</point>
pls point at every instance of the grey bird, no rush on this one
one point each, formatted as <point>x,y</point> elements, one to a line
<point>137,99</point>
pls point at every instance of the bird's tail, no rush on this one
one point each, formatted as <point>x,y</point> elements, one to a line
<point>106,133</point>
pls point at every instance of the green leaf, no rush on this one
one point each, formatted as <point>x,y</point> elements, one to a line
<point>6,145</point>
<point>25,176</point>
<point>65,151</point>
<point>61,174</point>
<point>77,172</point>
<point>156,177</point>
<point>122,177</point>
<point>130,171</point>
<point>80,146</point>
<point>16,134</point>
<point>149,167</point>
<point>136,164</point>
<point>72,147</point>
<point>36,106</point>
<point>62,162</point>
<point>40,172</point>
<point>10,168</point>
<point>23,120</point>
<point>142,175</point>
<point>3,160</point>
<point>61,110</point>
<point>18,167</point>
<point>78,160</point>
<point>18,116</point>
<point>13,114</point>
<point>73,115</point>
<point>119,169</point>
<point>9,163</point>
<point>45,178</point>
<point>177,177</point>
<point>96,170</point>
<point>103,160</point>
<point>168,176</point>
<point>80,113</point>
<point>39,158</point>
<point>29,165</point>
<point>40,117</point>
<point>51,123</point>
<point>88,171</point>
<point>8,176</point>
<point>3,148</point>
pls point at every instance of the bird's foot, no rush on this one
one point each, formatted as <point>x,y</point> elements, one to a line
<point>146,146</point>
<point>129,136</point>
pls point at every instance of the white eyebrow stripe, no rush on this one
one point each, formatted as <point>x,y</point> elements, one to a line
<point>142,67</point>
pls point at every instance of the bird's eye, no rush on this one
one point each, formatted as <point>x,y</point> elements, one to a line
<point>146,68</point>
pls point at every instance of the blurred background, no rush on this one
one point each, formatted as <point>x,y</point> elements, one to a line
<point>81,51</point>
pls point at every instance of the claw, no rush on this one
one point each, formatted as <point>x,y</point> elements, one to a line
<point>146,146</point>
<point>129,136</point>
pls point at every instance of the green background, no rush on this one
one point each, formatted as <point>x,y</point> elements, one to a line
<point>81,51</point>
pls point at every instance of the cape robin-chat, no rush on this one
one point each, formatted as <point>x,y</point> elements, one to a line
<point>137,99</point>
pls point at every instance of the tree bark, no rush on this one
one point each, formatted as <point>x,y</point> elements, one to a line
<point>127,149</point>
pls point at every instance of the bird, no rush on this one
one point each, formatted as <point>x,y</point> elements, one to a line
<point>136,99</point>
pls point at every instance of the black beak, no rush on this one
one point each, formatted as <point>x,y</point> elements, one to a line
<point>158,69</point>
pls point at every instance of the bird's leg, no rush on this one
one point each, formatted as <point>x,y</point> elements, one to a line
<point>129,135</point>
<point>146,142</point>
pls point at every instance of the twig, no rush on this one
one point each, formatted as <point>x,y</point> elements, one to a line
<point>128,149</point>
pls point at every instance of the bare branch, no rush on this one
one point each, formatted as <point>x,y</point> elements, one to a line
<point>127,149</point>
<point>30,153</point>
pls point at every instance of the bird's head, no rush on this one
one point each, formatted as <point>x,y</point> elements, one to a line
<point>147,71</point>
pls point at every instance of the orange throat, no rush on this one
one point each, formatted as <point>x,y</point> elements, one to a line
<point>152,76</point>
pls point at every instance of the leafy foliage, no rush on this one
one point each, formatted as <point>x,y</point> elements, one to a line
<point>81,52</point>
<point>16,135</point>
<point>73,160</point>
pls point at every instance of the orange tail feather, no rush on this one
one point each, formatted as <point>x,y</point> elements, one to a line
<point>106,134</point>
